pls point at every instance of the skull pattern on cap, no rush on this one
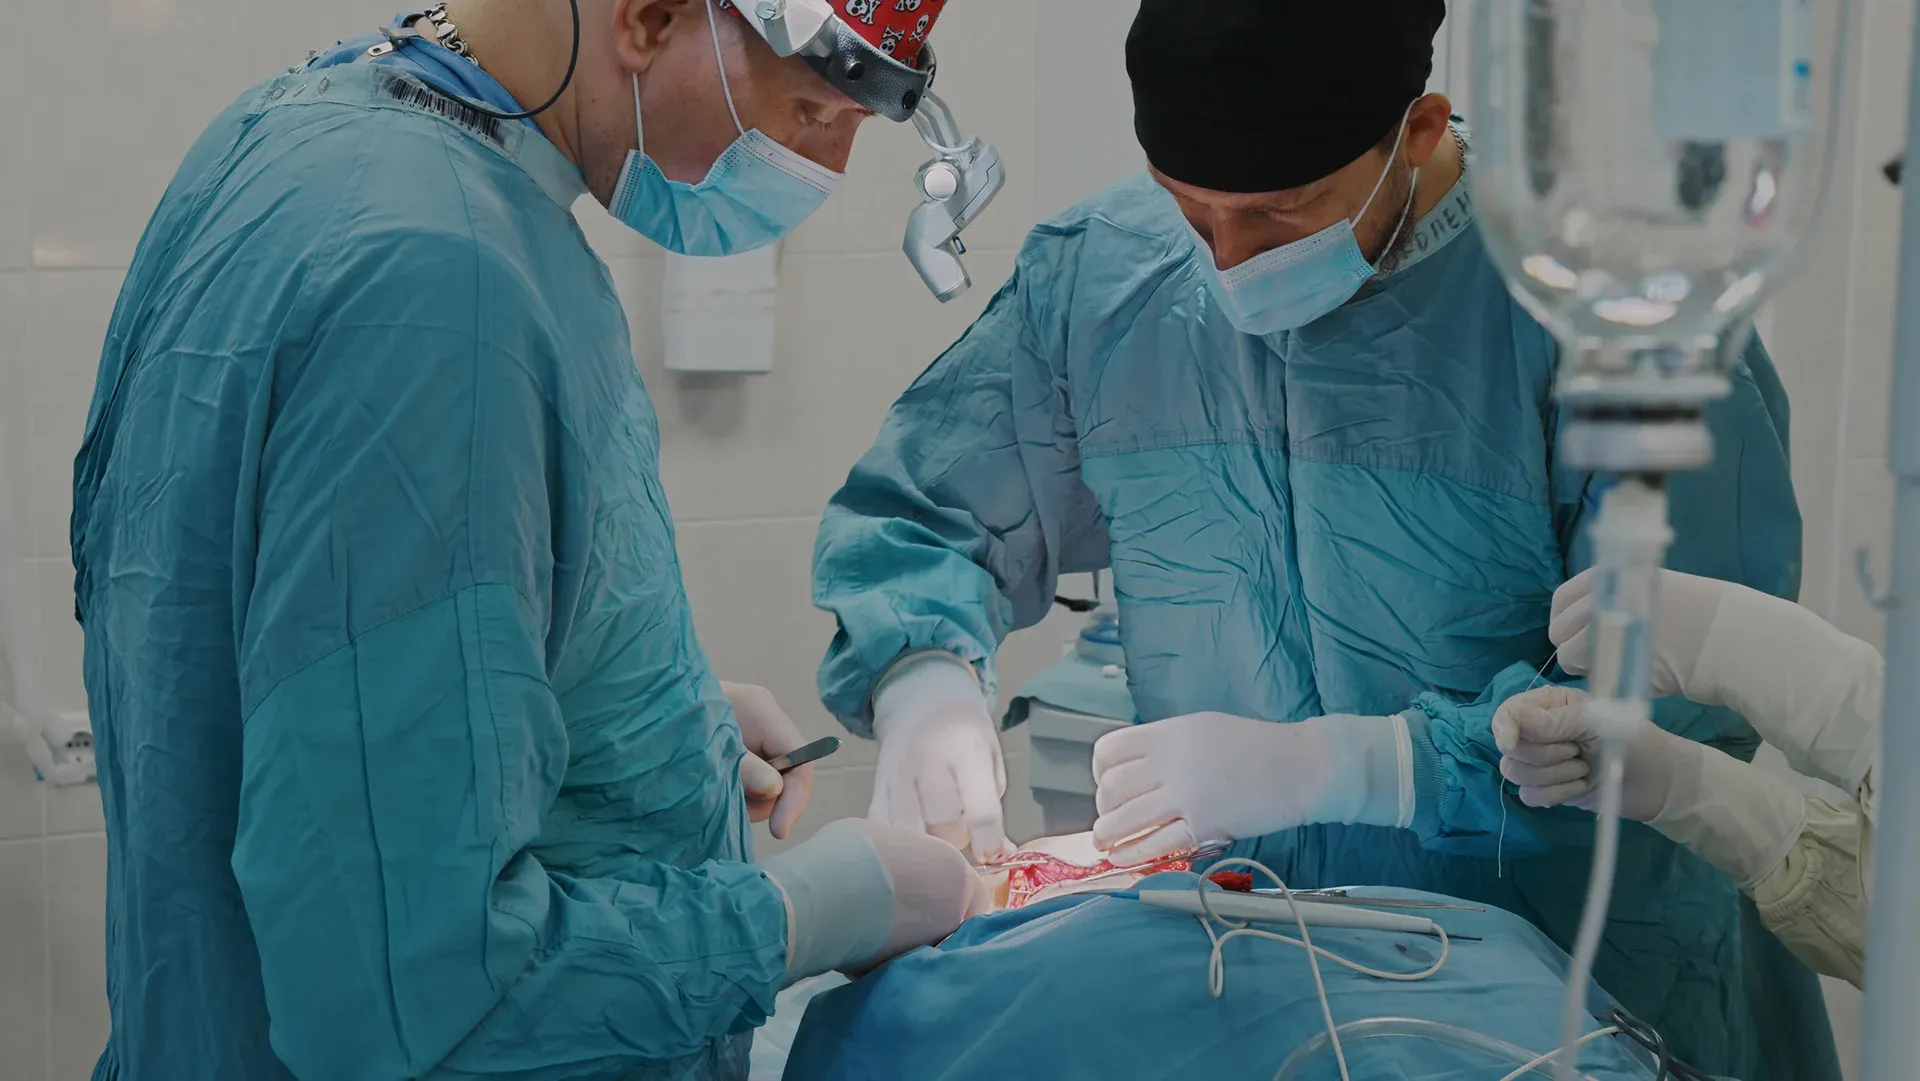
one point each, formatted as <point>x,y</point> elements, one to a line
<point>898,28</point>
<point>901,26</point>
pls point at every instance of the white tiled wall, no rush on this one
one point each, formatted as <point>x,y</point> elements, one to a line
<point>748,461</point>
<point>1831,332</point>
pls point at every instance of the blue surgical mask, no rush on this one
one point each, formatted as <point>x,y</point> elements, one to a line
<point>756,192</point>
<point>1293,285</point>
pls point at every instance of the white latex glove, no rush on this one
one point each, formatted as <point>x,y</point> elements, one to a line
<point>1688,604</point>
<point>1551,751</point>
<point>1735,816</point>
<point>1807,688</point>
<point>1170,786</point>
<point>940,769</point>
<point>858,893</point>
<point>769,733</point>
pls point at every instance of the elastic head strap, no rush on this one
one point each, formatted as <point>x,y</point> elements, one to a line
<point>713,25</point>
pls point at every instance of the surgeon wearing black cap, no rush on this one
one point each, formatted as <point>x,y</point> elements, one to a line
<point>1303,199</point>
<point>1277,387</point>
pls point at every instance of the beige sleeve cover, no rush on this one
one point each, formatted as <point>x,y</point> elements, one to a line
<point>1816,901</point>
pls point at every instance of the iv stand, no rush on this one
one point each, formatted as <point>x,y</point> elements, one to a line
<point>1890,1042</point>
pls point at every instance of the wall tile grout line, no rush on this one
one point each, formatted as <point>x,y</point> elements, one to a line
<point>46,961</point>
<point>774,519</point>
<point>1836,538</point>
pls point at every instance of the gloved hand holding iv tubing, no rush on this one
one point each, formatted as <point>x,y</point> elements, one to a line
<point>1812,691</point>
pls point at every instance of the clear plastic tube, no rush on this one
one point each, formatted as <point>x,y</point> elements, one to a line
<point>1593,918</point>
<point>1630,539</point>
<point>1497,1050</point>
<point>937,127</point>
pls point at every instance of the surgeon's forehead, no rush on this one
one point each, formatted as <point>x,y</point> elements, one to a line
<point>1290,199</point>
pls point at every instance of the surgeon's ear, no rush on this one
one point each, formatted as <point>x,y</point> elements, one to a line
<point>642,28</point>
<point>1426,127</point>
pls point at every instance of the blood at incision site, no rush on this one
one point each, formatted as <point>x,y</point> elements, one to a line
<point>1055,866</point>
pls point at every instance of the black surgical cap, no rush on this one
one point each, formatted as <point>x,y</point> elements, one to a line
<point>1265,95</point>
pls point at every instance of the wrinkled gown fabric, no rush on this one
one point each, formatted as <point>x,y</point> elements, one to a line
<point>1350,518</point>
<point>412,765</point>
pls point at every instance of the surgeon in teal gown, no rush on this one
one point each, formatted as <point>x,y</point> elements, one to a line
<point>1364,515</point>
<point>411,762</point>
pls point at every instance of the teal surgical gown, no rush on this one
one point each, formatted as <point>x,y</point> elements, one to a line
<point>1343,519</point>
<point>411,763</point>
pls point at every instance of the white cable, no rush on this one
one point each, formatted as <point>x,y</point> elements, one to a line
<point>1593,918</point>
<point>713,24</point>
<point>1217,966</point>
<point>950,151</point>
<point>927,122</point>
<point>1217,962</point>
<point>1564,1056</point>
<point>1556,1052</point>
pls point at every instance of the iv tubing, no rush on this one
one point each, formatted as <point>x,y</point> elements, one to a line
<point>1630,539</point>
<point>1330,1038</point>
<point>1217,964</point>
<point>1593,918</point>
<point>1499,1050</point>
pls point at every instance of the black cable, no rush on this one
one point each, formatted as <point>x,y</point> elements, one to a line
<point>573,64</point>
<point>1666,1066</point>
<point>1075,604</point>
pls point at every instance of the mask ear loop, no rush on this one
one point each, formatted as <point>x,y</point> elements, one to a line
<point>639,127</point>
<point>1413,189</point>
<point>1399,135</point>
<point>713,25</point>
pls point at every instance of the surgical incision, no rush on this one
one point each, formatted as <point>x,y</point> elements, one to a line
<point>1056,866</point>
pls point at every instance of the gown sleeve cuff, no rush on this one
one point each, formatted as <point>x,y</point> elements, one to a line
<point>1429,779</point>
<point>852,701</point>
<point>839,901</point>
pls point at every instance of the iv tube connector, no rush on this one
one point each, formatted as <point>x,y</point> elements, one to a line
<point>1630,539</point>
<point>1636,439</point>
<point>1634,406</point>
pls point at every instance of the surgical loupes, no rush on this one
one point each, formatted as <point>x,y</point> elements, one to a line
<point>957,185</point>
